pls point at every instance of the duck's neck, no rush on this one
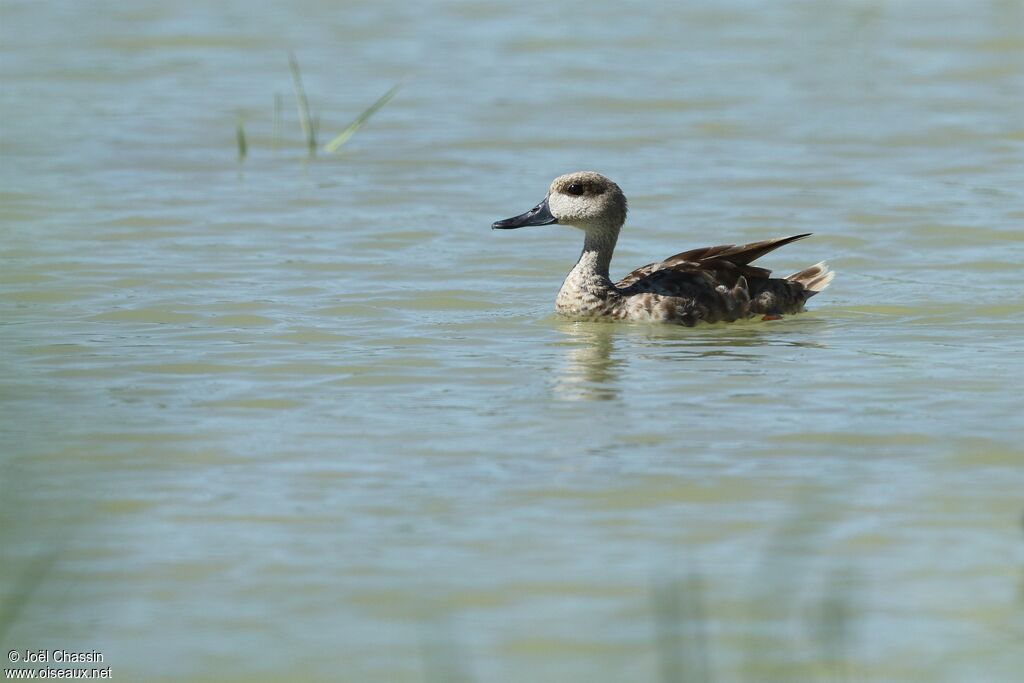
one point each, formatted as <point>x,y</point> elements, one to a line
<point>588,281</point>
<point>598,247</point>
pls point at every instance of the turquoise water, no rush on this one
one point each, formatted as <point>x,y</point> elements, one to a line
<point>295,418</point>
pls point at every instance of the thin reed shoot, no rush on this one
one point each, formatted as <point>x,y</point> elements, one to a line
<point>243,147</point>
<point>278,115</point>
<point>335,144</point>
<point>305,119</point>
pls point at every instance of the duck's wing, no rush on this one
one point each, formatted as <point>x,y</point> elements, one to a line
<point>725,263</point>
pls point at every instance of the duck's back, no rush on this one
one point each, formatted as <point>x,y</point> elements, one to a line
<point>716,284</point>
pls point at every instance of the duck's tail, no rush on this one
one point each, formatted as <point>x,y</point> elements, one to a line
<point>813,279</point>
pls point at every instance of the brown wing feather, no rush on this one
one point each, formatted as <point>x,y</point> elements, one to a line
<point>727,261</point>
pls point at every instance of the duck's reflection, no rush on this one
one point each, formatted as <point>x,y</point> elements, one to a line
<point>591,370</point>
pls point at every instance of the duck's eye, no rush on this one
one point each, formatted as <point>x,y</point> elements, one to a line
<point>575,189</point>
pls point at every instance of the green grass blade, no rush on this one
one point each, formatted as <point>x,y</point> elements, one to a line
<point>308,132</point>
<point>278,109</point>
<point>337,142</point>
<point>243,148</point>
<point>681,630</point>
<point>22,589</point>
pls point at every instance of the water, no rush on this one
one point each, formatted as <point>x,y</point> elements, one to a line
<point>310,419</point>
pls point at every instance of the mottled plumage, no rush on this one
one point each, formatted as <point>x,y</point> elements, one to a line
<point>701,285</point>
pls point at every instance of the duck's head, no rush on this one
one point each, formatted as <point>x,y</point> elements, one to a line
<point>585,200</point>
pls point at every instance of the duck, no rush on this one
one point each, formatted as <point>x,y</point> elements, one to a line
<point>707,285</point>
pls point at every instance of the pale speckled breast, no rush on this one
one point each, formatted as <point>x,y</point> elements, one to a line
<point>588,296</point>
<point>588,303</point>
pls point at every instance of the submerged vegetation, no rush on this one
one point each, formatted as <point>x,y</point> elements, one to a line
<point>309,122</point>
<point>788,622</point>
<point>785,635</point>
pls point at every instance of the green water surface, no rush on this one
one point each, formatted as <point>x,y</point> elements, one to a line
<point>293,418</point>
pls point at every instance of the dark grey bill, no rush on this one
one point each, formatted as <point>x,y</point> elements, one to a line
<point>538,215</point>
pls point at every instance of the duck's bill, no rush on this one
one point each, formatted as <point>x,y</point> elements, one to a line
<point>538,215</point>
